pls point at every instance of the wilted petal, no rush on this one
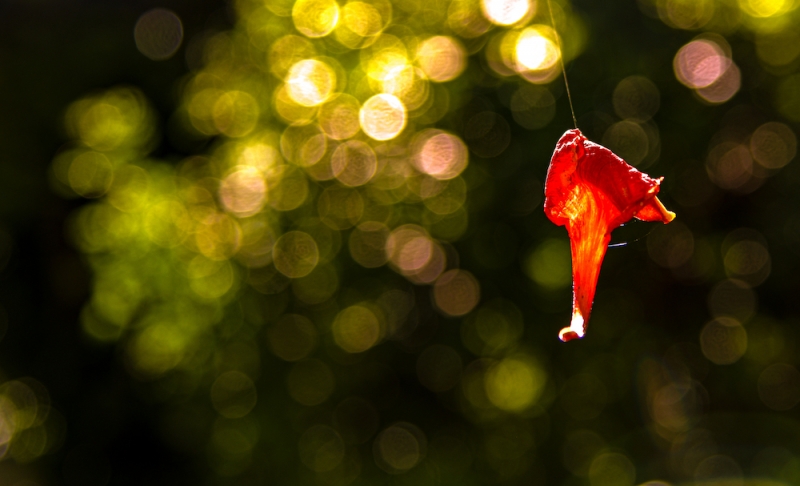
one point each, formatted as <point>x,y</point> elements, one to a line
<point>591,191</point>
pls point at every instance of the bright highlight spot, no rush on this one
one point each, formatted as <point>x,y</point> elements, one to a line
<point>310,82</point>
<point>383,117</point>
<point>535,51</point>
<point>506,12</point>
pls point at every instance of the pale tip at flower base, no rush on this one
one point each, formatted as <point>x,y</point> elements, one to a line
<point>592,191</point>
<point>576,328</point>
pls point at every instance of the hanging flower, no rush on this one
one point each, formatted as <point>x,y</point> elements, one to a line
<point>592,191</point>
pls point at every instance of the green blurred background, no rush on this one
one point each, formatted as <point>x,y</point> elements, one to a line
<point>290,243</point>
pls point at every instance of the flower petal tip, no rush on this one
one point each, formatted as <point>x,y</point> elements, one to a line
<point>567,334</point>
<point>665,213</point>
<point>576,329</point>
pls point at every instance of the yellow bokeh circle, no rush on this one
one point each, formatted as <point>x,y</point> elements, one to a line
<point>310,82</point>
<point>383,117</point>
<point>315,18</point>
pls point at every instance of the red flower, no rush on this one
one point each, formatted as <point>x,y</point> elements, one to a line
<point>591,191</point>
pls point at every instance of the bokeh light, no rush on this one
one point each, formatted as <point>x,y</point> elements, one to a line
<point>235,113</point>
<point>382,117</point>
<point>456,292</point>
<point>612,468</point>
<point>233,394</point>
<point>399,447</point>
<point>338,118</point>
<point>441,58</point>
<point>158,34</point>
<point>315,18</point>
<point>362,22</point>
<point>550,265</point>
<point>310,82</point>
<point>28,424</point>
<point>535,50</point>
<point>723,340</point>
<point>628,140</point>
<point>514,383</point>
<point>773,145</point>
<point>354,163</point>
<point>705,65</point>
<point>409,248</point>
<point>770,8</point>
<point>724,87</point>
<point>119,119</point>
<point>506,12</point>
<point>90,174</point>
<point>243,192</point>
<point>295,254</point>
<point>356,329</point>
<point>440,154</point>
<point>687,15</point>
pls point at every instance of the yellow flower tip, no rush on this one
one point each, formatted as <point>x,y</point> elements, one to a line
<point>668,215</point>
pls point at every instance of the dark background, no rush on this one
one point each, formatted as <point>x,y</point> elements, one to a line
<point>52,53</point>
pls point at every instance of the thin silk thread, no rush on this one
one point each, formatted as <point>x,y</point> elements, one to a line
<point>561,58</point>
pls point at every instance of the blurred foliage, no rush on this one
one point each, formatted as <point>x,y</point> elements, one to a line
<point>324,260</point>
